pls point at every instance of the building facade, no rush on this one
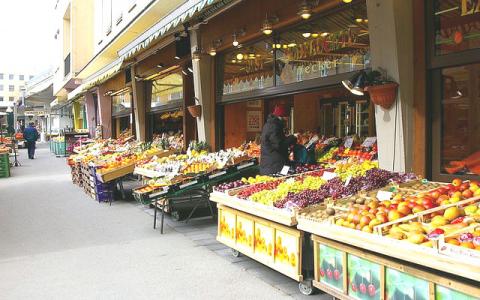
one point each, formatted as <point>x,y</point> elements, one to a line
<point>12,86</point>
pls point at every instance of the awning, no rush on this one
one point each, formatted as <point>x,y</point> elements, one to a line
<point>96,79</point>
<point>180,15</point>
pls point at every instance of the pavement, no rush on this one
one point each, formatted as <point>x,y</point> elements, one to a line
<point>57,243</point>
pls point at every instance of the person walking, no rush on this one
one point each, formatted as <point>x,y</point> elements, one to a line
<point>30,135</point>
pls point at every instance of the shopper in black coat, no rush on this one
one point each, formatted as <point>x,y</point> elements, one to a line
<point>274,150</point>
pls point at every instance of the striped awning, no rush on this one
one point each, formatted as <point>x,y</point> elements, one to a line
<point>96,79</point>
<point>180,15</point>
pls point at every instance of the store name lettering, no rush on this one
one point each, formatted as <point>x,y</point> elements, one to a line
<point>321,67</point>
<point>470,7</point>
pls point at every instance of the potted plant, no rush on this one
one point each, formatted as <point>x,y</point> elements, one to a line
<point>195,110</point>
<point>383,91</point>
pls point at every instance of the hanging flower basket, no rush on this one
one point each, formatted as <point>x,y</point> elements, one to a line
<point>384,94</point>
<point>195,110</point>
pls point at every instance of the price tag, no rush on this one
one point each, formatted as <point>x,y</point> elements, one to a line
<point>348,180</point>
<point>369,141</point>
<point>384,195</point>
<point>188,184</point>
<point>328,175</point>
<point>245,165</point>
<point>348,142</point>
<point>285,170</point>
<point>217,174</point>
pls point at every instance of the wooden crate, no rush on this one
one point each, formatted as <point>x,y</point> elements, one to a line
<point>282,216</point>
<point>115,173</point>
<point>348,272</point>
<point>274,245</point>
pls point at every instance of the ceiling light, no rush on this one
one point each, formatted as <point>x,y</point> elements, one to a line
<point>284,46</point>
<point>251,55</point>
<point>184,73</point>
<point>365,20</point>
<point>267,28</point>
<point>358,20</point>
<point>306,34</point>
<point>177,57</point>
<point>324,34</point>
<point>160,65</point>
<point>347,1</point>
<point>212,51</point>
<point>239,56</point>
<point>234,61</point>
<point>305,11</point>
<point>356,83</point>
<point>291,45</point>
<point>235,42</point>
<point>196,55</point>
<point>278,46</point>
<point>190,69</point>
<point>314,35</point>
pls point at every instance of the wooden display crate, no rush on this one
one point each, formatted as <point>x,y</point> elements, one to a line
<point>348,272</point>
<point>115,173</point>
<point>276,246</point>
<point>282,216</point>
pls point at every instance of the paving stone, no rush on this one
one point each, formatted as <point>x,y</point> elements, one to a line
<point>187,230</point>
<point>288,288</point>
<point>200,236</point>
<point>217,246</point>
<point>250,264</point>
<point>269,275</point>
<point>206,242</point>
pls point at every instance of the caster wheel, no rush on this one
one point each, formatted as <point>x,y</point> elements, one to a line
<point>306,287</point>
<point>235,253</point>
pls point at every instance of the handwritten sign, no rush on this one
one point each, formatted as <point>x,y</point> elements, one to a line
<point>384,195</point>
<point>285,170</point>
<point>328,175</point>
<point>348,142</point>
<point>369,141</point>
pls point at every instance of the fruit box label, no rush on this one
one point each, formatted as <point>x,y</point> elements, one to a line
<point>227,225</point>
<point>244,234</point>
<point>264,242</point>
<point>401,286</point>
<point>472,255</point>
<point>444,293</point>
<point>331,269</point>
<point>286,251</point>
<point>363,278</point>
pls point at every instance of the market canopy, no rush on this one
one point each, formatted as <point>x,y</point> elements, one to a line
<point>180,15</point>
<point>96,79</point>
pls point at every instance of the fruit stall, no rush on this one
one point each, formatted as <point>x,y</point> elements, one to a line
<point>352,230</point>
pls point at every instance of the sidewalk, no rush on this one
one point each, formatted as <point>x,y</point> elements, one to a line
<point>56,243</point>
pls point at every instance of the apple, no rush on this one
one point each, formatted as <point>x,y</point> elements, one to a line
<point>418,208</point>
<point>322,272</point>
<point>467,194</point>
<point>382,218</point>
<point>371,290</point>
<point>329,274</point>
<point>393,207</point>
<point>435,194</point>
<point>442,190</point>
<point>394,215</point>
<point>386,203</point>
<point>363,288</point>
<point>336,274</point>
<point>404,209</point>
<point>457,182</point>
<point>464,186</point>
<point>412,204</point>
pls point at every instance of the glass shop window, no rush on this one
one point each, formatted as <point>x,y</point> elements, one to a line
<point>167,89</point>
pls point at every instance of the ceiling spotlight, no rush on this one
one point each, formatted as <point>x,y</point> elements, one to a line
<point>196,55</point>
<point>190,69</point>
<point>356,83</point>
<point>234,61</point>
<point>235,42</point>
<point>314,35</point>
<point>184,73</point>
<point>177,57</point>
<point>324,34</point>
<point>278,46</point>
<point>160,65</point>
<point>305,11</point>
<point>365,20</point>
<point>138,78</point>
<point>306,34</point>
<point>291,45</point>
<point>239,56</point>
<point>359,20</point>
<point>267,27</point>
<point>347,1</point>
<point>284,46</point>
<point>212,51</point>
<point>251,55</point>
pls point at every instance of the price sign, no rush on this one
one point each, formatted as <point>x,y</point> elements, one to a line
<point>384,195</point>
<point>328,175</point>
<point>348,142</point>
<point>369,141</point>
<point>285,170</point>
<point>348,180</point>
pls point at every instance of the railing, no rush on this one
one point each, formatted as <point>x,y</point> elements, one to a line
<point>66,65</point>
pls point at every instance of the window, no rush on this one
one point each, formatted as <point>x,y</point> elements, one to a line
<point>1,87</point>
<point>21,77</point>
<point>249,68</point>
<point>1,76</point>
<point>11,99</point>
<point>10,76</point>
<point>1,98</point>
<point>11,88</point>
<point>30,77</point>
<point>107,16</point>
<point>324,47</point>
<point>122,102</point>
<point>456,26</point>
<point>460,108</point>
<point>167,89</point>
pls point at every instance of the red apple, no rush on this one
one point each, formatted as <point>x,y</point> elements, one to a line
<point>329,274</point>
<point>371,290</point>
<point>363,288</point>
<point>456,182</point>
<point>434,194</point>
<point>467,194</point>
<point>322,272</point>
<point>418,208</point>
<point>464,186</point>
<point>336,274</point>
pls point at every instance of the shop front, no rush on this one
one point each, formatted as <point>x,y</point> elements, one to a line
<point>300,67</point>
<point>122,117</point>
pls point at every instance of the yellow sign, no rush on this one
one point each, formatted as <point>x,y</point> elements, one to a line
<point>469,7</point>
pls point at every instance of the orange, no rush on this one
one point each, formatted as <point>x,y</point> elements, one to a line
<point>467,245</point>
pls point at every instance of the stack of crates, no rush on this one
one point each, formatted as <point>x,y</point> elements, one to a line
<point>4,165</point>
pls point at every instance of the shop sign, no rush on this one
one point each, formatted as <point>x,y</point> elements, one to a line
<point>254,121</point>
<point>470,7</point>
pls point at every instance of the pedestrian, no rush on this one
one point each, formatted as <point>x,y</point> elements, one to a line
<point>275,144</point>
<point>30,135</point>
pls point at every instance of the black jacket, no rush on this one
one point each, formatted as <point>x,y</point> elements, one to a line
<point>274,150</point>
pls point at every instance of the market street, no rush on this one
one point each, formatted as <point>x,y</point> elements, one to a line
<point>57,243</point>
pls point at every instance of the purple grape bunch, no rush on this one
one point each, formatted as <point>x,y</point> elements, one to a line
<point>228,185</point>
